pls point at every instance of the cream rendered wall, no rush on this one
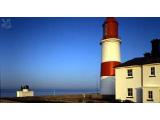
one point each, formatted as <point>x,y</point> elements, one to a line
<point>156,94</point>
<point>151,81</point>
<point>123,83</point>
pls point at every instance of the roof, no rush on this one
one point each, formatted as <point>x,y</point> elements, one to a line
<point>140,61</point>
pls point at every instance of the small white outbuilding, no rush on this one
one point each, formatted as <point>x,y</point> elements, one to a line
<point>25,92</point>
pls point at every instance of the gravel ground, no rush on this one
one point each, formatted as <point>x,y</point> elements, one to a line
<point>88,98</point>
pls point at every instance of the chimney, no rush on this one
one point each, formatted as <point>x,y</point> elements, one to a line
<point>155,48</point>
<point>147,54</point>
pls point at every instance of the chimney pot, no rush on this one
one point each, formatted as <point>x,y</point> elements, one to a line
<point>155,48</point>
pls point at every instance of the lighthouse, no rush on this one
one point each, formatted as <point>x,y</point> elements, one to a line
<point>110,45</point>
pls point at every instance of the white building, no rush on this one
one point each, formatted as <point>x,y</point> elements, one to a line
<point>25,92</point>
<point>138,79</point>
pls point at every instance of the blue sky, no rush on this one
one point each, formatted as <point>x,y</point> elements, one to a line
<point>65,52</point>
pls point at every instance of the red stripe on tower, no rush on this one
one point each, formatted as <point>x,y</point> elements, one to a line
<point>107,68</point>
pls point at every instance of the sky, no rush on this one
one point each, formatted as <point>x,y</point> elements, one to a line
<point>65,53</point>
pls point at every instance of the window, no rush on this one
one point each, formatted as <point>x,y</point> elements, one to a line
<point>130,73</point>
<point>150,95</point>
<point>130,92</point>
<point>152,71</point>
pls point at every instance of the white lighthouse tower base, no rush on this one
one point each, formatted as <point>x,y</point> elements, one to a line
<point>107,85</point>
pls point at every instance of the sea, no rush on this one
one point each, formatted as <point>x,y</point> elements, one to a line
<point>45,92</point>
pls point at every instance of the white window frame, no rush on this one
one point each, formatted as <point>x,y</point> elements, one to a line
<point>153,71</point>
<point>130,72</point>
<point>150,95</point>
<point>130,92</point>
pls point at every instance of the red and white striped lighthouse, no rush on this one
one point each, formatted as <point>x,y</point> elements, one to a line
<point>110,56</point>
